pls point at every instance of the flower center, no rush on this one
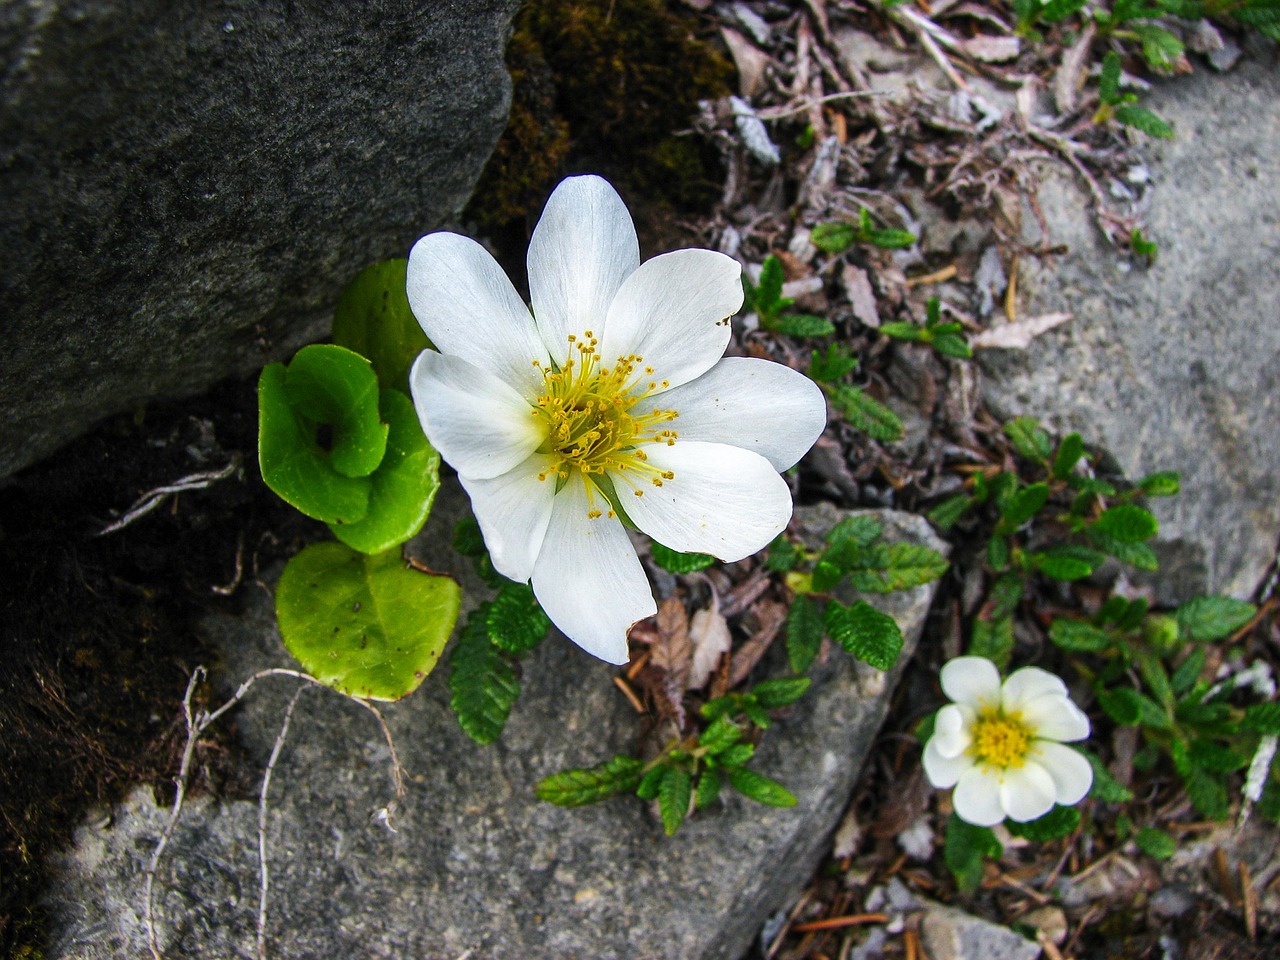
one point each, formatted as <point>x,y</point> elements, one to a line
<point>1000,740</point>
<point>591,427</point>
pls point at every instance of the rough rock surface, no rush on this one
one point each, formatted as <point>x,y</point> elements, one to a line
<point>1176,366</point>
<point>188,187</point>
<point>477,863</point>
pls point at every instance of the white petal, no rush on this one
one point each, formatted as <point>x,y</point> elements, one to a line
<point>977,797</point>
<point>588,579</point>
<point>952,730</point>
<point>513,511</point>
<point>582,249</point>
<point>1071,773</point>
<point>478,423</point>
<point>1027,792</point>
<point>1054,717</point>
<point>758,405</point>
<point>973,681</point>
<point>673,313</point>
<point>723,500</point>
<point>944,771</point>
<point>1026,684</point>
<point>469,309</point>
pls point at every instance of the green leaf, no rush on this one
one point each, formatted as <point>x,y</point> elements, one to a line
<point>890,239</point>
<point>367,626</point>
<point>515,621</point>
<point>1138,555</point>
<point>482,680</point>
<point>804,633</point>
<point>1006,594</point>
<point>1262,718</point>
<point>1066,562</point>
<point>720,736</point>
<point>760,788</point>
<point>1055,11</point>
<point>865,414</point>
<point>1077,636</point>
<point>679,563</point>
<point>292,462</point>
<point>1109,79</point>
<point>1160,48</point>
<point>1208,794</point>
<point>327,384</point>
<point>833,237</point>
<point>998,553</point>
<point>708,789</point>
<point>403,487</point>
<point>945,515</point>
<point>373,319</point>
<point>953,345</point>
<point>1106,788</point>
<point>1126,523</point>
<point>675,790</point>
<point>802,325</point>
<point>859,531</point>
<point>965,848</point>
<point>865,632</point>
<point>1155,677</point>
<point>900,330</point>
<point>1070,450</point>
<point>1057,823</point>
<point>736,755</point>
<point>1206,619</point>
<point>1163,483</point>
<point>783,555</point>
<point>1028,439</point>
<point>1188,672</point>
<point>1155,843</point>
<point>467,539</point>
<point>647,789</point>
<point>1215,757</point>
<point>1123,705</point>
<point>833,364</point>
<point>780,691</point>
<point>575,788</point>
<point>1024,505</point>
<point>897,566</point>
<point>1140,118</point>
<point>992,639</point>
<point>768,292</point>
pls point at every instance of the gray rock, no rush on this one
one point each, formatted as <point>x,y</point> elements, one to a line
<point>188,187</point>
<point>1175,367</point>
<point>950,934</point>
<point>476,862</point>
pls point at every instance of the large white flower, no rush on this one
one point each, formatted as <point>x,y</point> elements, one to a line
<point>1001,745</point>
<point>612,397</point>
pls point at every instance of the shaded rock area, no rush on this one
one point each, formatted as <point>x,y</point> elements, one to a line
<point>188,187</point>
<point>476,862</point>
<point>1175,366</point>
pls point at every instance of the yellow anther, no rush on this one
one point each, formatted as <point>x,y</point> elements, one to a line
<point>1000,740</point>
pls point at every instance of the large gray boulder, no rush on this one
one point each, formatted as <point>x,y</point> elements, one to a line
<point>1176,366</point>
<point>478,866</point>
<point>187,186</point>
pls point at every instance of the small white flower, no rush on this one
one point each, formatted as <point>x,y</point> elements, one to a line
<point>1001,745</point>
<point>612,396</point>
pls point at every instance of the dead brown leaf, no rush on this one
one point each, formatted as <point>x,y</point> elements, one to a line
<point>710,638</point>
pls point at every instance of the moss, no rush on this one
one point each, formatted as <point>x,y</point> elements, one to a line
<point>603,86</point>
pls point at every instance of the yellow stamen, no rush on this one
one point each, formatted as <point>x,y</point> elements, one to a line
<point>1000,740</point>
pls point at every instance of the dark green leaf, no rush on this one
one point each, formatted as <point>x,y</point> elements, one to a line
<point>1160,47</point>
<point>945,514</point>
<point>1262,718</point>
<point>720,736</point>
<point>1077,636</point>
<point>1140,118</point>
<point>768,292</point>
<point>992,639</point>
<point>708,788</point>
<point>1206,619</point>
<point>964,850</point>
<point>1122,705</point>
<point>833,364</point>
<point>903,331</point>
<point>1208,794</point>
<point>1106,788</point>
<point>1138,555</point>
<point>1155,677</point>
<point>1006,594</point>
<point>900,566</point>
<point>736,755</point>
<point>1054,825</point>
<point>1070,450</point>
<point>648,786</point>
<point>1156,843</point>
<point>1126,523</point>
<point>679,563</point>
<point>802,325</point>
<point>804,633</point>
<point>467,539</point>
<point>1109,79</point>
<point>1067,562</point>
<point>1028,439</point>
<point>482,680</point>
<point>1165,483</point>
<point>327,384</point>
<point>514,619</point>
<point>674,793</point>
<point>783,555</point>
<point>998,553</point>
<point>864,413</point>
<point>780,691</point>
<point>1188,672</point>
<point>859,531</point>
<point>373,319</point>
<point>833,237</point>
<point>1024,505</point>
<point>760,788</point>
<point>575,788</point>
<point>1215,757</point>
<point>1055,11</point>
<point>890,239</point>
<point>865,632</point>
<point>952,345</point>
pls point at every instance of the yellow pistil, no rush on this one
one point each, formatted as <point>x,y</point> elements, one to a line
<point>1000,740</point>
<point>591,430</point>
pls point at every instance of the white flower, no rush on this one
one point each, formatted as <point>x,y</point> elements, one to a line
<point>612,397</point>
<point>1001,745</point>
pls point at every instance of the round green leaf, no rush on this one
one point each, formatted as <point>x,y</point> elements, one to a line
<point>373,319</point>
<point>367,626</point>
<point>292,463</point>
<point>328,384</point>
<point>403,487</point>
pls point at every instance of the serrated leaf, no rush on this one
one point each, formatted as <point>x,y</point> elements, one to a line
<point>1262,718</point>
<point>1070,450</point>
<point>760,788</point>
<point>373,319</point>
<point>483,682</point>
<point>965,848</point>
<point>1028,439</point>
<point>708,788</point>
<point>367,626</point>
<point>802,325</point>
<point>1215,757</point>
<point>1188,672</point>
<point>1207,793</point>
<point>833,364</point>
<point>833,237</point>
<point>1140,118</point>
<point>736,755</point>
<point>1138,555</point>
<point>1127,523</point>
<point>1066,562</point>
<point>859,532</point>
<point>1122,705</point>
<point>1155,676</point>
<point>679,563</point>
<point>1024,505</point>
<point>945,515</point>
<point>864,413</point>
<point>780,691</point>
<point>1006,594</point>
<point>575,788</point>
<point>515,621</point>
<point>768,292</point>
<point>1077,636</point>
<point>720,736</point>
<point>992,639</point>
<point>862,630</point>
<point>904,566</point>
<point>647,789</point>
<point>783,555</point>
<point>1057,823</point>
<point>804,633</point>
<point>1109,78</point>
<point>1206,619</point>
<point>675,791</point>
<point>1106,788</point>
<point>1160,48</point>
<point>1155,843</point>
